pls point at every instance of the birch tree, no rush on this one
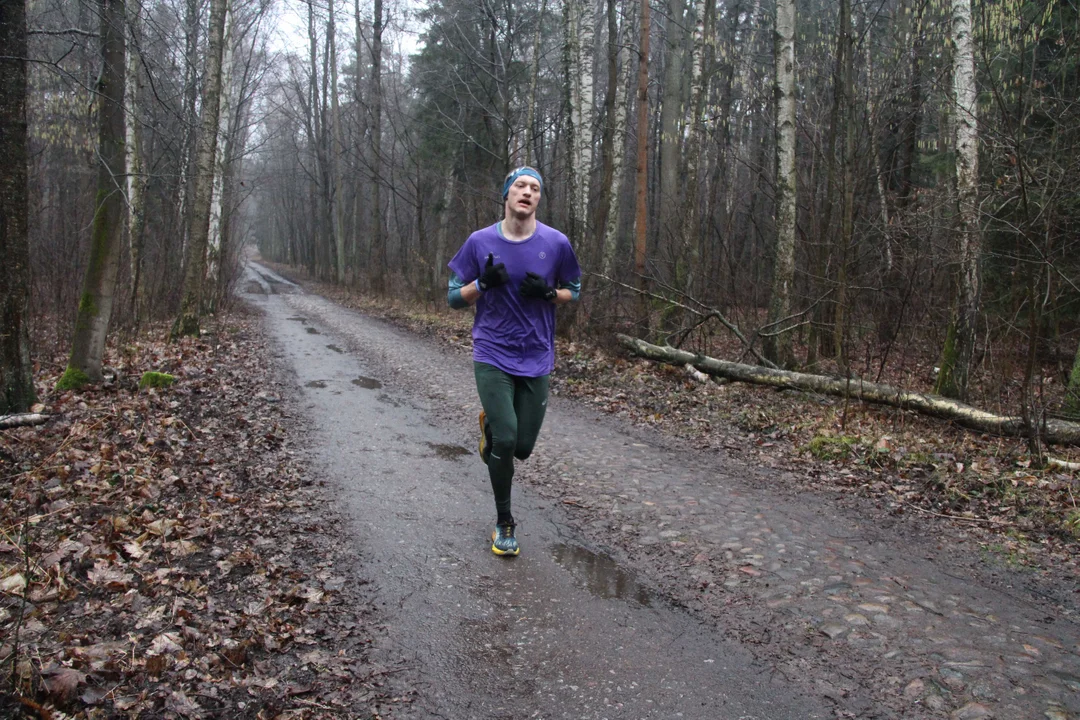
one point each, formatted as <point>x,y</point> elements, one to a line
<point>377,265</point>
<point>641,181</point>
<point>701,70</point>
<point>337,192</point>
<point>579,78</point>
<point>16,370</point>
<point>136,179</point>
<point>777,344</point>
<point>187,322</point>
<point>106,231</point>
<point>613,138</point>
<point>215,237</point>
<point>960,344</point>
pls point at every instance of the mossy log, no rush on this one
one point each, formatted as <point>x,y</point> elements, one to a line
<point>1058,432</point>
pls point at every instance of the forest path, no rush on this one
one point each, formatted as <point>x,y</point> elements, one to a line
<point>653,582</point>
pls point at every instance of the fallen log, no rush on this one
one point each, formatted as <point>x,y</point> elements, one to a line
<point>1058,432</point>
<point>22,419</point>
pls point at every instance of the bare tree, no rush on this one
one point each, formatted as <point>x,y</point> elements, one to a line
<point>16,370</point>
<point>136,178</point>
<point>106,233</point>
<point>642,211</point>
<point>778,344</point>
<point>960,346</point>
<point>187,322</point>
<point>378,264</point>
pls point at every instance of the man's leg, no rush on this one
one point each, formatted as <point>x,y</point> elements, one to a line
<point>530,404</point>
<point>496,390</point>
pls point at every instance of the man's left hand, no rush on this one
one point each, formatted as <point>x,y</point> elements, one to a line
<point>534,286</point>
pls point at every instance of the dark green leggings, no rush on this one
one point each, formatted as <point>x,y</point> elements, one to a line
<point>515,408</point>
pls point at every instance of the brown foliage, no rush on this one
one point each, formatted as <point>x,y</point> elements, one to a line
<point>163,554</point>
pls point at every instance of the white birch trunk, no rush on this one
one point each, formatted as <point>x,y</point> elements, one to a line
<point>581,101</point>
<point>968,237</point>
<point>187,323</point>
<point>778,346</point>
<point>622,115</point>
<point>694,144</point>
<point>214,240</point>
<point>136,182</point>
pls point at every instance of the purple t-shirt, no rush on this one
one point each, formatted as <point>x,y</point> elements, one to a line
<point>515,333</point>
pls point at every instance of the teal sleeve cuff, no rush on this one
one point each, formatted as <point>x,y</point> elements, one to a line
<point>574,286</point>
<point>453,293</point>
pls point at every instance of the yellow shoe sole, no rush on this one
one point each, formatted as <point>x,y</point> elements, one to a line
<point>499,552</point>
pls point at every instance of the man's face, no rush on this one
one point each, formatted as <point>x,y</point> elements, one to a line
<point>523,197</point>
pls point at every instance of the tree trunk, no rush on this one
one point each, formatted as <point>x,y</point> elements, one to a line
<point>186,184</point>
<point>187,323</point>
<point>612,187</point>
<point>671,118</point>
<point>847,217</point>
<point>1072,395</point>
<point>379,266</point>
<point>530,131</point>
<point>442,234</point>
<point>959,352</point>
<point>16,369</point>
<point>704,11</point>
<point>1055,431</point>
<point>136,180</point>
<point>337,194</point>
<point>909,140</point>
<point>217,235</point>
<point>607,136</point>
<point>357,239</point>
<point>106,238</point>
<point>777,344</point>
<point>641,213</point>
<point>581,108</point>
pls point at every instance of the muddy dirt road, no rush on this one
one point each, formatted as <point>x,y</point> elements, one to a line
<point>725,599</point>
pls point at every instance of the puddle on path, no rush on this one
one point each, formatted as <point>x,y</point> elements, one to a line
<point>298,318</point>
<point>335,348</point>
<point>312,331</point>
<point>316,384</point>
<point>448,452</point>
<point>602,575</point>
<point>367,383</point>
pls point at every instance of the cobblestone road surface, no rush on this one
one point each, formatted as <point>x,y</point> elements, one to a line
<point>878,620</point>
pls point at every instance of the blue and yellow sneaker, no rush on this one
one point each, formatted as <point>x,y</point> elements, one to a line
<point>485,438</point>
<point>503,541</point>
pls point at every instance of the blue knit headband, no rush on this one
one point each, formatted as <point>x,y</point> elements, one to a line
<point>518,173</point>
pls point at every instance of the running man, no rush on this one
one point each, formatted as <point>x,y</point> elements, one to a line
<point>515,272</point>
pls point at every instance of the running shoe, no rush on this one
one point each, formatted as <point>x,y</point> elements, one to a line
<point>503,541</point>
<point>485,438</point>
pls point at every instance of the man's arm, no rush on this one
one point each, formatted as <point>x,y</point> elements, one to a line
<point>460,294</point>
<point>567,292</point>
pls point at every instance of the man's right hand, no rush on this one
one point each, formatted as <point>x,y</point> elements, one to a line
<point>494,274</point>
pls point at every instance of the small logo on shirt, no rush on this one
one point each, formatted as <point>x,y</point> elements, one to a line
<point>543,255</point>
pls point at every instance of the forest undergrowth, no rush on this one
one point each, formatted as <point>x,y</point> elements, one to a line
<point>163,552</point>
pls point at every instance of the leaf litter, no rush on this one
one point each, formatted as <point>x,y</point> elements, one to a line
<point>164,553</point>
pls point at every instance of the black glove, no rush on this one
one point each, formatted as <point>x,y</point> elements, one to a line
<point>535,286</point>
<point>493,275</point>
